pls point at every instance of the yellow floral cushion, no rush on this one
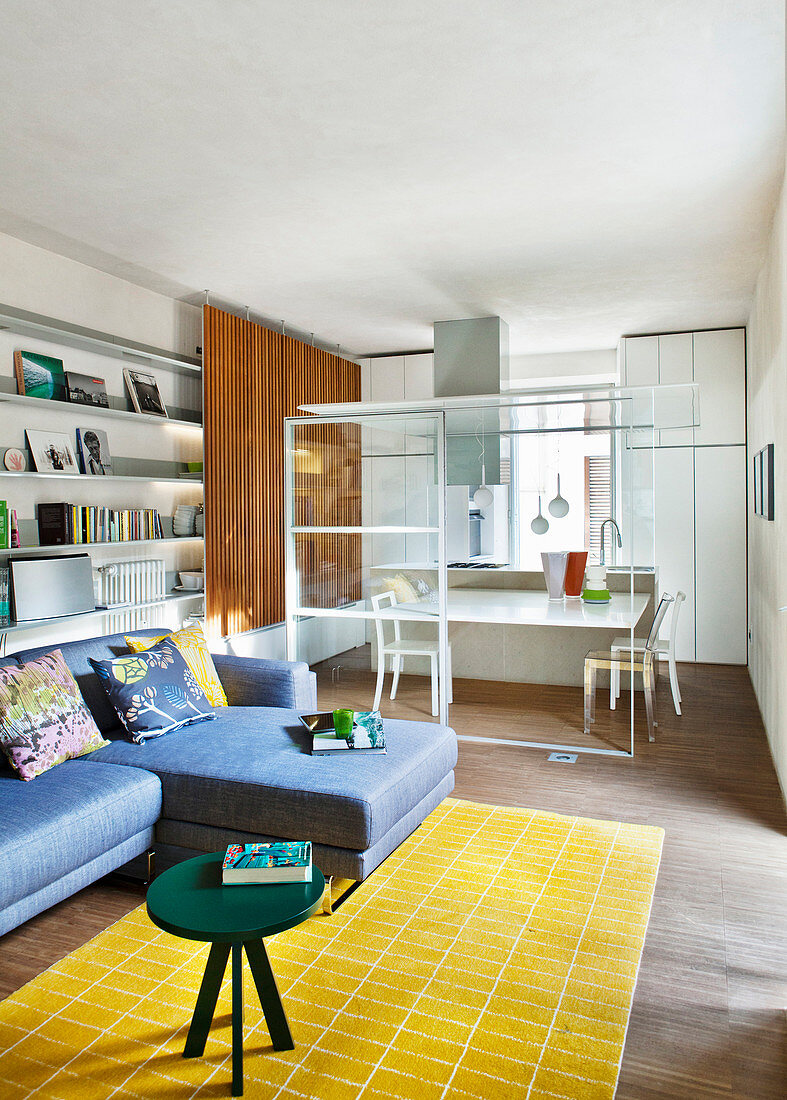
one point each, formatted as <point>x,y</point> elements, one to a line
<point>190,641</point>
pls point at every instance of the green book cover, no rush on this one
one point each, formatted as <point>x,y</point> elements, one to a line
<point>5,532</point>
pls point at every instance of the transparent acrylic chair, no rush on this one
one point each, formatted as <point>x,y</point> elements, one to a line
<point>622,660</point>
<point>664,651</point>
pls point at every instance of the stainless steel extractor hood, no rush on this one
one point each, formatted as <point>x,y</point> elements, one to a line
<point>470,356</point>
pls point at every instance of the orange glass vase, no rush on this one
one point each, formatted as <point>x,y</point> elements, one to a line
<point>575,572</point>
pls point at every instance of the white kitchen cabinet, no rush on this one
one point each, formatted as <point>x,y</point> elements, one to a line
<point>387,378</point>
<point>674,486</point>
<point>419,377</point>
<point>366,379</point>
<point>641,361</point>
<point>720,518</point>
<point>720,371</point>
<point>676,368</point>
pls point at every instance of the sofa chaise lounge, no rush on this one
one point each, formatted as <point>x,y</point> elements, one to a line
<point>247,775</point>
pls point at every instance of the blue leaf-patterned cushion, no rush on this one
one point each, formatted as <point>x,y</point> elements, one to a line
<point>153,692</point>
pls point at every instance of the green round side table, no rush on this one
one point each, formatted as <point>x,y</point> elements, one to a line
<point>189,901</point>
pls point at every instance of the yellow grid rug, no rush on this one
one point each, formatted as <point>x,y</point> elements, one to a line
<point>493,955</point>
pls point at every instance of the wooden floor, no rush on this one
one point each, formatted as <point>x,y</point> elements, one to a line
<point>708,1017</point>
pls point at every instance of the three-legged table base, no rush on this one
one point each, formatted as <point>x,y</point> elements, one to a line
<point>209,992</point>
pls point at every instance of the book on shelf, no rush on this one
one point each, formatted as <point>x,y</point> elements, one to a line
<point>62,524</point>
<point>5,525</point>
<point>5,597</point>
<point>274,862</point>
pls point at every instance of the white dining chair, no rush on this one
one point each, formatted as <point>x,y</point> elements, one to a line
<point>400,648</point>
<point>663,651</point>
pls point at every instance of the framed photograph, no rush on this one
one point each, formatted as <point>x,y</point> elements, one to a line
<point>767,482</point>
<point>757,463</point>
<point>52,452</point>
<point>144,392</point>
<point>93,448</point>
<point>39,376</point>
<point>84,390</point>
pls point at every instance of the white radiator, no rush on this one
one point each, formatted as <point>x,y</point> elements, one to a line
<point>130,582</point>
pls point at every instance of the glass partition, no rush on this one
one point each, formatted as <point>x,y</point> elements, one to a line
<point>365,573</point>
<point>415,536</point>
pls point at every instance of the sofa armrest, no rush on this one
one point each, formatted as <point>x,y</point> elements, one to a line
<point>258,682</point>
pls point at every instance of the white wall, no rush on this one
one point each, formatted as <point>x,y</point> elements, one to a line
<point>39,281</point>
<point>561,368</point>
<point>767,423</point>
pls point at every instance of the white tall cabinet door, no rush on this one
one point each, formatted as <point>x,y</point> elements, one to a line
<point>720,516</point>
<point>641,361</point>
<point>387,378</point>
<point>676,368</point>
<point>418,377</point>
<point>720,371</point>
<point>675,539</point>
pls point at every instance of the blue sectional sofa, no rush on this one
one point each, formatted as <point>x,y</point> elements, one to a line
<point>248,775</point>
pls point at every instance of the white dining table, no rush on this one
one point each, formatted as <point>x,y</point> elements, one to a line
<point>519,607</point>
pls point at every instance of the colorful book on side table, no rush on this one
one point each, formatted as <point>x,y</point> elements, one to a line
<point>282,861</point>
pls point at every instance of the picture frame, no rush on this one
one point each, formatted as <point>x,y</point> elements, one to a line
<point>84,389</point>
<point>766,475</point>
<point>757,468</point>
<point>39,376</point>
<point>52,452</point>
<point>144,392</point>
<point>93,451</point>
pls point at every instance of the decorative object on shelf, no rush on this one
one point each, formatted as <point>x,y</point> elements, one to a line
<point>184,521</point>
<point>82,389</point>
<point>52,452</point>
<point>554,563</point>
<point>192,580</point>
<point>764,497</point>
<point>558,505</point>
<point>596,590</point>
<point>539,525</point>
<point>195,467</point>
<point>199,523</point>
<point>143,389</point>
<point>575,573</point>
<point>39,376</point>
<point>93,448</point>
<point>15,460</point>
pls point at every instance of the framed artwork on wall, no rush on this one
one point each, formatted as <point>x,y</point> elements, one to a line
<point>764,497</point>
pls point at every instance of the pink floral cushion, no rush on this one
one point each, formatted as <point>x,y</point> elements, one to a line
<point>43,717</point>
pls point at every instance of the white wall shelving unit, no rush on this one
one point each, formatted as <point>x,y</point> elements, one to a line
<point>156,450</point>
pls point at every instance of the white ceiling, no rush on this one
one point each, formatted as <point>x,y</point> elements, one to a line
<point>363,168</point>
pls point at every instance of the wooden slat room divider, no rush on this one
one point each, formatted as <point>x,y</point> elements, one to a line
<point>253,378</point>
